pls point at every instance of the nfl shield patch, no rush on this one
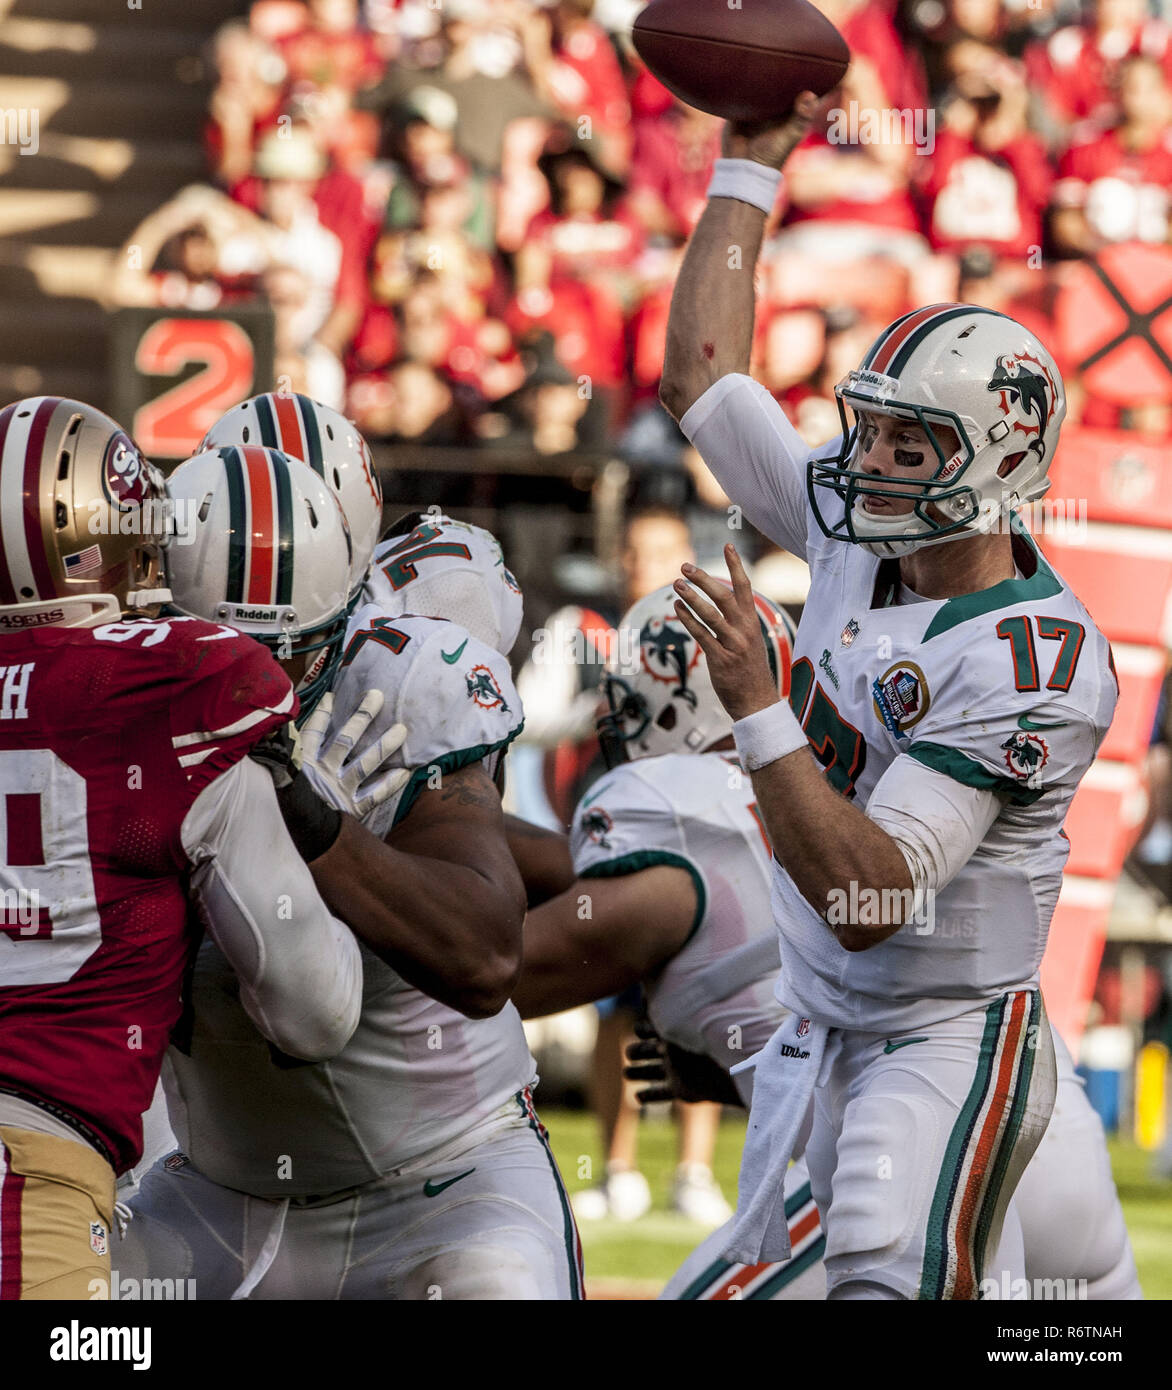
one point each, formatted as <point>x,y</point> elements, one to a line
<point>803,1027</point>
<point>900,696</point>
<point>98,1242</point>
<point>850,632</point>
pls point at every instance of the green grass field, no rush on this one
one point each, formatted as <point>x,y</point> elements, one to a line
<point>635,1259</point>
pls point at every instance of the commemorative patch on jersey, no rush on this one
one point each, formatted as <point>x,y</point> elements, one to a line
<point>483,689</point>
<point>901,697</point>
<point>596,824</point>
<point>1026,755</point>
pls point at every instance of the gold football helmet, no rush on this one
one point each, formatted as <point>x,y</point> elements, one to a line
<point>84,519</point>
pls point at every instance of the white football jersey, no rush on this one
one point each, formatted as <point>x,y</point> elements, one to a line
<point>696,812</point>
<point>416,1075</point>
<point>450,568</point>
<point>1011,688</point>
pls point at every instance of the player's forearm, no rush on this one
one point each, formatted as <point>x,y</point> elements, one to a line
<point>825,844</point>
<point>710,328</point>
<point>448,929</point>
<point>542,857</point>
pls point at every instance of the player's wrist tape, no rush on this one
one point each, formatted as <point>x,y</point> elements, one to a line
<point>313,824</point>
<point>746,181</point>
<point>769,734</point>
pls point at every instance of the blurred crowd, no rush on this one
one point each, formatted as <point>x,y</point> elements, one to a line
<point>468,214</point>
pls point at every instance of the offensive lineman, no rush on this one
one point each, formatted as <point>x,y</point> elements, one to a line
<point>413,1166</point>
<point>952,695</point>
<point>130,796</point>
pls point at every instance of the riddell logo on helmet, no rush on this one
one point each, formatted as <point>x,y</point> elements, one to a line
<point>257,615</point>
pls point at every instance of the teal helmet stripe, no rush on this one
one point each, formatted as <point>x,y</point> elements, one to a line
<point>284,490</point>
<point>267,420</point>
<point>917,336</point>
<point>313,446</point>
<point>237,524</point>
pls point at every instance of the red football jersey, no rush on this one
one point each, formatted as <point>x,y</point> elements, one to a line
<point>107,736</point>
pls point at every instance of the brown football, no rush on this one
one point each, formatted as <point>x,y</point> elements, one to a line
<point>746,62</point>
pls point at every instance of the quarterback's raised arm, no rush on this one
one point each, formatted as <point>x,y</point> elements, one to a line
<point>742,434</point>
<point>710,329</point>
<point>299,968</point>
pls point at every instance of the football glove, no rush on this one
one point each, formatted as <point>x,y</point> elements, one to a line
<point>675,1073</point>
<point>351,782</point>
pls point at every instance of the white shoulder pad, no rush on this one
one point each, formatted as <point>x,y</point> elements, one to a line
<point>628,819</point>
<point>450,569</point>
<point>1016,700</point>
<point>454,694</point>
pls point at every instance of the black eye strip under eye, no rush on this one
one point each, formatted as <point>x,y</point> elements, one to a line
<point>906,459</point>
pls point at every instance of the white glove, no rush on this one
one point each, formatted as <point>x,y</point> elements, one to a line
<point>356,784</point>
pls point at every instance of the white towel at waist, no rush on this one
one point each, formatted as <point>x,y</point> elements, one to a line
<point>784,1073</point>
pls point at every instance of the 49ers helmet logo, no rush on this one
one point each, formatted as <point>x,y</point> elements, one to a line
<point>125,474</point>
<point>1026,389</point>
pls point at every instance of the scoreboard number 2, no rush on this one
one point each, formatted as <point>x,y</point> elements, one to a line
<point>171,425</point>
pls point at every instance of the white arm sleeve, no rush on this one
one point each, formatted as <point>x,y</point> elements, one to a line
<point>936,821</point>
<point>756,456</point>
<point>299,968</point>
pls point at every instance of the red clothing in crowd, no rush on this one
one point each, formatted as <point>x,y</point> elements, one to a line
<point>870,31</point>
<point>583,244</point>
<point>880,206</point>
<point>991,199</point>
<point>587,325</point>
<point>679,173</point>
<point>318,59</point>
<point>341,208</point>
<point>587,79</point>
<point>1124,193</point>
<point>1074,69</point>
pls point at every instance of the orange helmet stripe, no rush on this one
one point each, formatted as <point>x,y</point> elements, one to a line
<point>262,538</point>
<point>288,425</point>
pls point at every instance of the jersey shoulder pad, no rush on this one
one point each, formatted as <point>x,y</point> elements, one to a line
<point>454,694</point>
<point>627,820</point>
<point>222,691</point>
<point>1017,699</point>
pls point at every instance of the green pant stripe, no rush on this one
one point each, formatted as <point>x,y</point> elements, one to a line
<point>935,1267</point>
<point>568,1228</point>
<point>1025,1072</point>
<point>789,1272</point>
<point>719,1268</point>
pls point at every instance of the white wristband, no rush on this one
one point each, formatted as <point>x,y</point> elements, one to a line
<point>769,734</point>
<point>746,181</point>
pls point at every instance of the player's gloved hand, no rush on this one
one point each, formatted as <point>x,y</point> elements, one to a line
<point>312,822</point>
<point>280,752</point>
<point>355,783</point>
<point>674,1072</point>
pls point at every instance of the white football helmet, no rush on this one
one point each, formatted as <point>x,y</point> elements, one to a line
<point>323,438</point>
<point>439,568</point>
<point>972,369</point>
<point>657,683</point>
<point>261,544</point>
